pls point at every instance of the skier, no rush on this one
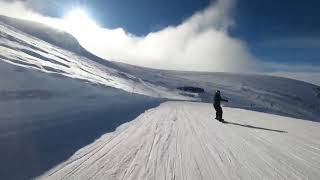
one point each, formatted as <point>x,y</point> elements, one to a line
<point>217,101</point>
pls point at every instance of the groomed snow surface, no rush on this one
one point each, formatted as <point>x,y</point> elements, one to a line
<point>182,140</point>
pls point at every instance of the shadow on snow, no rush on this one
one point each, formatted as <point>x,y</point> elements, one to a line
<point>255,127</point>
<point>28,154</point>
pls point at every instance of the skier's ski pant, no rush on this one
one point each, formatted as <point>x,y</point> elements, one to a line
<point>219,111</point>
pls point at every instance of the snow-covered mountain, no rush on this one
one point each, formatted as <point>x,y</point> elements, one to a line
<point>270,94</point>
<point>56,98</point>
<point>53,36</point>
<point>23,49</point>
<point>44,49</point>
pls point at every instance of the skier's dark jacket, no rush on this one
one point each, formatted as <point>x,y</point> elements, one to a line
<point>218,99</point>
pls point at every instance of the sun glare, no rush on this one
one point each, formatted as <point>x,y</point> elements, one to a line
<point>78,20</point>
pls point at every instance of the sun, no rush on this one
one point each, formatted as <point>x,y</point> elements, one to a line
<point>77,20</point>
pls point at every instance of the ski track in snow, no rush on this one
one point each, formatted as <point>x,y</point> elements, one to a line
<point>182,140</point>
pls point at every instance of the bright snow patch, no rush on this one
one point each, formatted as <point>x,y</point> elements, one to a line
<point>181,140</point>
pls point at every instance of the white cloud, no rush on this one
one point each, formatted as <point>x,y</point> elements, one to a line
<point>200,43</point>
<point>17,9</point>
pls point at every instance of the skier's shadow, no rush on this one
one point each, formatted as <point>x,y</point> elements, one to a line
<point>254,127</point>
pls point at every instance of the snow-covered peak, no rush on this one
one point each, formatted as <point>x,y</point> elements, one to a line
<point>48,34</point>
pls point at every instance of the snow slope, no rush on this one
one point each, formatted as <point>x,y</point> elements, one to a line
<point>181,140</point>
<point>269,94</point>
<point>54,102</point>
<point>53,36</point>
<point>21,49</point>
<point>45,118</point>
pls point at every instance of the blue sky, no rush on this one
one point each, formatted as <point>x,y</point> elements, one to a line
<point>138,17</point>
<point>219,35</point>
<point>287,31</point>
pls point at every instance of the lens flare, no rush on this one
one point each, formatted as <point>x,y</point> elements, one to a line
<point>77,21</point>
